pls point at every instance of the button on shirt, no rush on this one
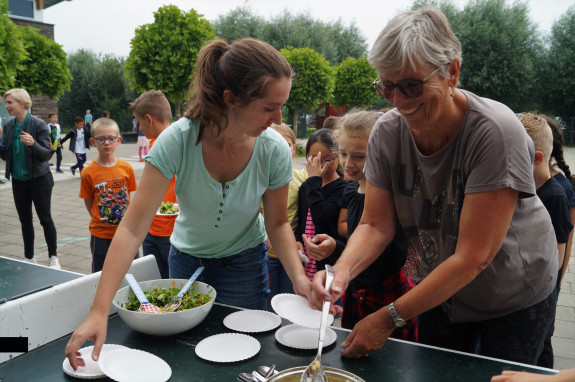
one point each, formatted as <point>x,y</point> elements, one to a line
<point>216,221</point>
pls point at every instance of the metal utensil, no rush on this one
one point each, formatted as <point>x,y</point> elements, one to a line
<point>314,372</point>
<point>175,302</point>
<point>267,371</point>
<point>145,305</point>
<point>258,377</point>
<point>247,377</point>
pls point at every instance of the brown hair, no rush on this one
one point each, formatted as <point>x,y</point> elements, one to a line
<point>557,152</point>
<point>357,123</point>
<point>245,68</point>
<point>152,102</point>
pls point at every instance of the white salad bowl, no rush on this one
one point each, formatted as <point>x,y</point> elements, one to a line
<point>164,324</point>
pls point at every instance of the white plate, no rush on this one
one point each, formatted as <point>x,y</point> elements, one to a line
<point>92,369</point>
<point>252,321</point>
<point>131,365</point>
<point>300,337</point>
<point>227,347</point>
<point>177,213</point>
<point>296,309</point>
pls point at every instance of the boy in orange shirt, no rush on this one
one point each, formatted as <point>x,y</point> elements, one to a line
<point>105,187</point>
<point>152,111</point>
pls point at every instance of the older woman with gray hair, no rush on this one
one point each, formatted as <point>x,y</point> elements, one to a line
<point>456,169</point>
<point>26,149</point>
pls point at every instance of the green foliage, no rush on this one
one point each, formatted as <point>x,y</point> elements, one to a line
<point>164,53</point>
<point>313,81</point>
<point>500,50</point>
<point>558,70</point>
<point>11,49</point>
<point>99,84</point>
<point>334,41</point>
<point>353,80</point>
<point>44,70</point>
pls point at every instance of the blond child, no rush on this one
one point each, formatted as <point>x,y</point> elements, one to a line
<point>105,187</point>
<point>153,114</point>
<point>554,199</point>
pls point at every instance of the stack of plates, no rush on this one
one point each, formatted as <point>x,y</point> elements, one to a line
<point>120,363</point>
<point>304,332</point>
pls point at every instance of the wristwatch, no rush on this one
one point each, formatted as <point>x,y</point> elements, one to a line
<point>397,320</point>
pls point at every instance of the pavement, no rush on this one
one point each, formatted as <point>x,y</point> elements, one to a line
<point>71,218</point>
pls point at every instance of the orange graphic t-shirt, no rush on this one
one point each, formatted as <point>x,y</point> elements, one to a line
<point>110,188</point>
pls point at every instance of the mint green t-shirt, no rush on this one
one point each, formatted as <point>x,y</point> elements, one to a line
<point>215,222</point>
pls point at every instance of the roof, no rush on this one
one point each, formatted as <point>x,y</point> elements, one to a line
<point>49,3</point>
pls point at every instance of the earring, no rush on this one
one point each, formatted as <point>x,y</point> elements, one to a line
<point>452,93</point>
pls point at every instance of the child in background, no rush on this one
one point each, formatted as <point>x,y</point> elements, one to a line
<point>553,197</point>
<point>55,135</point>
<point>153,114</point>
<point>565,179</point>
<point>79,142</point>
<point>279,280</point>
<point>319,203</point>
<point>142,141</point>
<point>105,187</point>
<point>88,118</point>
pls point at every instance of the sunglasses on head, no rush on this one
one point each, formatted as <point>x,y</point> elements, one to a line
<point>410,88</point>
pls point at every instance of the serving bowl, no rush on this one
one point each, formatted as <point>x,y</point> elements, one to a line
<point>164,324</point>
<point>333,375</point>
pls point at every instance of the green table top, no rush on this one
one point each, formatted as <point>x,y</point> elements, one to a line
<point>18,277</point>
<point>396,361</point>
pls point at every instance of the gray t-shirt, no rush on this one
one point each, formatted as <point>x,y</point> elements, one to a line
<point>490,151</point>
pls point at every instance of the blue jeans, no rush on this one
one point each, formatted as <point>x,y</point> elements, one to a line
<point>279,280</point>
<point>159,247</point>
<point>99,248</point>
<point>240,279</point>
<point>516,337</point>
<point>80,160</point>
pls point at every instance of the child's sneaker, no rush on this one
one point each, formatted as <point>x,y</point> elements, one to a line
<point>59,171</point>
<point>32,260</point>
<point>54,263</point>
<point>73,170</point>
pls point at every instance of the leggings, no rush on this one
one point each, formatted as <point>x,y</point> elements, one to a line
<point>39,193</point>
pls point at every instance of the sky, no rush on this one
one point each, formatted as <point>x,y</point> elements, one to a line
<point>107,26</point>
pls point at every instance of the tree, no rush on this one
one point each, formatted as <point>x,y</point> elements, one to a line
<point>82,94</point>
<point>558,71</point>
<point>45,68</point>
<point>11,49</point>
<point>239,23</point>
<point>353,80</point>
<point>500,50</point>
<point>164,53</point>
<point>312,83</point>
<point>334,41</point>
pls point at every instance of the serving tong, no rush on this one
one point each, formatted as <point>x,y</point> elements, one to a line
<point>176,301</point>
<point>145,305</point>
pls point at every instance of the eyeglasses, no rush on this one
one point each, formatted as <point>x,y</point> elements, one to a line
<point>103,140</point>
<point>411,88</point>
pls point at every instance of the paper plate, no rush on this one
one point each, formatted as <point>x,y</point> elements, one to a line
<point>92,369</point>
<point>296,309</point>
<point>300,337</point>
<point>227,347</point>
<point>131,365</point>
<point>177,213</point>
<point>252,321</point>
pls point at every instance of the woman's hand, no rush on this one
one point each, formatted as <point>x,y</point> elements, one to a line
<point>314,167</point>
<point>26,139</point>
<point>93,329</point>
<point>368,335</point>
<point>319,294</point>
<point>302,286</point>
<point>522,376</point>
<point>320,246</point>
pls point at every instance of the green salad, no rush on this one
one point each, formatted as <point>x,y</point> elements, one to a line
<point>162,296</point>
<point>169,208</point>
